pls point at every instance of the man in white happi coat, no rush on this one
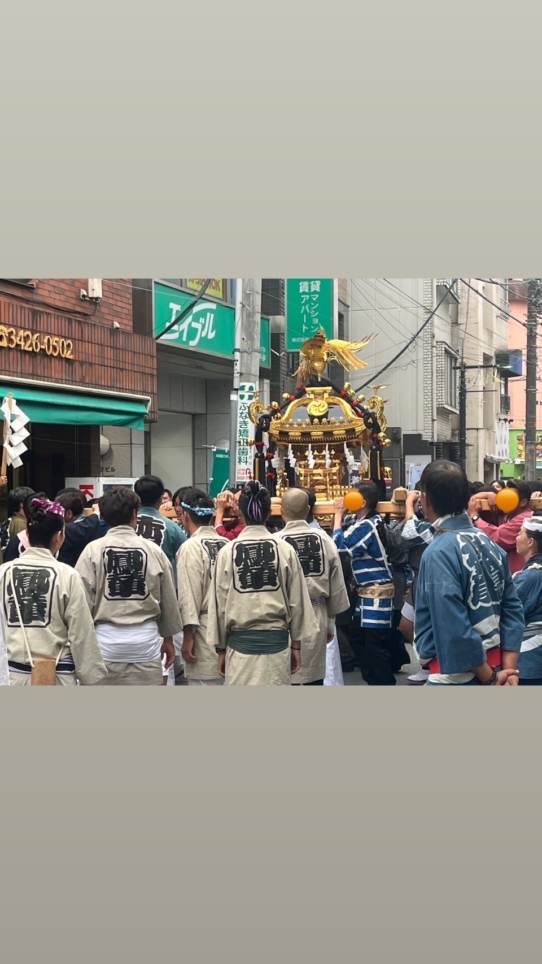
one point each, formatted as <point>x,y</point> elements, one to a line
<point>129,587</point>
<point>195,565</point>
<point>259,606</point>
<point>46,621</point>
<point>322,570</point>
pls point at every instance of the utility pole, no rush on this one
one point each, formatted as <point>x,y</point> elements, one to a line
<point>246,362</point>
<point>463,415</point>
<point>250,345</point>
<point>533,312</point>
<point>462,369</point>
<point>463,395</point>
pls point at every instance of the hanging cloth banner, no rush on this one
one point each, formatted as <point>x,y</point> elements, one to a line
<point>14,434</point>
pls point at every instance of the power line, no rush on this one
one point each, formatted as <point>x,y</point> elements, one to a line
<point>502,312</point>
<point>376,308</point>
<point>441,317</point>
<point>416,335</point>
<point>447,321</point>
<point>461,326</point>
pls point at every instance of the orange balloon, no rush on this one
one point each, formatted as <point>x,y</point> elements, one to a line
<point>354,500</point>
<point>507,500</point>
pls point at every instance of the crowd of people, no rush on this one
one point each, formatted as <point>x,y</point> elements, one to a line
<point>147,586</point>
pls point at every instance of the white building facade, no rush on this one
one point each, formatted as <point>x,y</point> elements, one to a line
<point>423,382</point>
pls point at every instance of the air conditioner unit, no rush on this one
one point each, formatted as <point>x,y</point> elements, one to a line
<point>95,287</point>
<point>510,362</point>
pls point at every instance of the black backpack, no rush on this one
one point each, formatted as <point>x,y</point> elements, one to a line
<point>397,549</point>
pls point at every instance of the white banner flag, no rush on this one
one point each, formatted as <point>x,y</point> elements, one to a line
<point>349,455</point>
<point>18,425</point>
<point>14,450</point>
<point>15,432</point>
<point>17,438</point>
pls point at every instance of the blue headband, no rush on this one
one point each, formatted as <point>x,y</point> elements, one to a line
<point>199,511</point>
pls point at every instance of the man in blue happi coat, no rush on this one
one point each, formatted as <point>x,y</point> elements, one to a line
<point>469,620</point>
<point>364,543</point>
<point>528,584</point>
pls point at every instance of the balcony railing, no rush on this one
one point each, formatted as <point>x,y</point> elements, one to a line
<point>445,283</point>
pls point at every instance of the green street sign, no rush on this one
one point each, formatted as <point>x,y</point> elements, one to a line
<point>265,343</point>
<point>209,328</point>
<point>310,305</point>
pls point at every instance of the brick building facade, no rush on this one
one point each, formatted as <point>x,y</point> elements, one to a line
<point>77,368</point>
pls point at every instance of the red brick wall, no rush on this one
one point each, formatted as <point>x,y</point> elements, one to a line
<point>103,357</point>
<point>64,295</point>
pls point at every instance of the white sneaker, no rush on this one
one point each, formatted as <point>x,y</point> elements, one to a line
<point>420,677</point>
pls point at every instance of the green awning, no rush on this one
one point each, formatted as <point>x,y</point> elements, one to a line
<point>75,408</point>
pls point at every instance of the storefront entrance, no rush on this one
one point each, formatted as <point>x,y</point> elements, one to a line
<point>58,452</point>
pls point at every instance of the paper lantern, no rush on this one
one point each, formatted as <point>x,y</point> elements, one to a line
<point>507,500</point>
<point>354,501</point>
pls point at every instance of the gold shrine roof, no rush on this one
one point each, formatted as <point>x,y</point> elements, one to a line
<point>319,416</point>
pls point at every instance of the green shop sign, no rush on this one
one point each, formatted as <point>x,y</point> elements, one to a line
<point>310,305</point>
<point>208,328</point>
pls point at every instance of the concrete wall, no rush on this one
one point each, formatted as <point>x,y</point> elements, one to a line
<point>485,332</point>
<point>378,308</point>
<point>172,449</point>
<point>202,407</point>
<point>126,457</point>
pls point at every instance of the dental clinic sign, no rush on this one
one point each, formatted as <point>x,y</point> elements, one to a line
<point>208,328</point>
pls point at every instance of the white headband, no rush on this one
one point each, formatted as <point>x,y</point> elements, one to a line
<point>534,524</point>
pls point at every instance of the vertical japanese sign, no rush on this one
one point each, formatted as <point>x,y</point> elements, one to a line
<point>220,472</point>
<point>310,305</point>
<point>265,343</point>
<point>245,432</point>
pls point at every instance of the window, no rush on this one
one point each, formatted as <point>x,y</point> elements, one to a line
<point>292,362</point>
<point>450,380</point>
